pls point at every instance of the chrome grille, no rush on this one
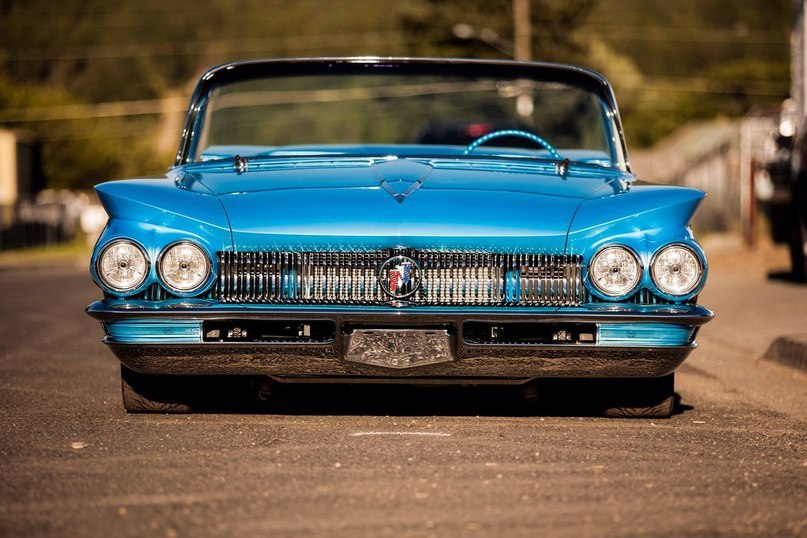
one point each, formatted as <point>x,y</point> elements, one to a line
<point>447,278</point>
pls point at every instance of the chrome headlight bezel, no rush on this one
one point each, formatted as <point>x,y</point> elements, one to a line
<point>100,275</point>
<point>691,290</point>
<point>167,283</point>
<point>628,291</point>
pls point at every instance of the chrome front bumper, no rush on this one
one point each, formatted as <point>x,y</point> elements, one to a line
<point>628,340</point>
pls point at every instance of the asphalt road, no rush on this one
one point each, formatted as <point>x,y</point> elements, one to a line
<point>401,461</point>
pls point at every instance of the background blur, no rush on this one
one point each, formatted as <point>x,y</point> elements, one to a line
<point>95,90</point>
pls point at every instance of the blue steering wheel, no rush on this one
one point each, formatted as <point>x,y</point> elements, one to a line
<point>513,132</point>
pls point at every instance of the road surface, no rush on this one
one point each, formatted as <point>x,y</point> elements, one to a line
<point>402,461</point>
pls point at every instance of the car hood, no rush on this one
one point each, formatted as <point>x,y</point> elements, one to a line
<point>385,203</point>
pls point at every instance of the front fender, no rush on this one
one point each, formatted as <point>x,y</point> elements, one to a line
<point>157,212</point>
<point>645,219</point>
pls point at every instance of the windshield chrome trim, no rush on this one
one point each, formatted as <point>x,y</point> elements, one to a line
<point>245,70</point>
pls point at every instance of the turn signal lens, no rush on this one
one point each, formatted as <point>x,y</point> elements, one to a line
<point>615,271</point>
<point>184,267</point>
<point>122,265</point>
<point>676,270</point>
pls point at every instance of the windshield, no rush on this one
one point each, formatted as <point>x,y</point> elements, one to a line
<point>375,111</point>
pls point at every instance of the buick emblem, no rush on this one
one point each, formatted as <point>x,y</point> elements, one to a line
<point>399,277</point>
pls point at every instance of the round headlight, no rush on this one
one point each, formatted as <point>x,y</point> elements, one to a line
<point>615,271</point>
<point>184,267</point>
<point>122,265</point>
<point>676,270</point>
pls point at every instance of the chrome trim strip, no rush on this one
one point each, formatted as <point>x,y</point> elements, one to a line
<point>598,313</point>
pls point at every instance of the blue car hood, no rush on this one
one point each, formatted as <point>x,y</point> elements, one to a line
<point>372,204</point>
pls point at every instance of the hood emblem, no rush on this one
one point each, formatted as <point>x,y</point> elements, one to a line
<point>399,277</point>
<point>401,177</point>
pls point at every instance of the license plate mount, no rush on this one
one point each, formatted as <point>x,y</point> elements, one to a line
<point>399,348</point>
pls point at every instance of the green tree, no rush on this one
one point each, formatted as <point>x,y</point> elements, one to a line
<point>668,61</point>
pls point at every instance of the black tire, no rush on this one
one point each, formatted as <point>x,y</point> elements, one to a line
<point>148,393</point>
<point>641,398</point>
<point>798,247</point>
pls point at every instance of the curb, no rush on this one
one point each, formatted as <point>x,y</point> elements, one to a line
<point>789,351</point>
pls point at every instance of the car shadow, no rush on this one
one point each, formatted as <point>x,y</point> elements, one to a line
<point>785,276</point>
<point>550,397</point>
<point>679,408</point>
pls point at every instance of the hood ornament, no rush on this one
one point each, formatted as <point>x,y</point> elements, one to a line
<point>240,164</point>
<point>562,168</point>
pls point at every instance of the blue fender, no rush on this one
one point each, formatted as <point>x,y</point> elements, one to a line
<point>156,212</point>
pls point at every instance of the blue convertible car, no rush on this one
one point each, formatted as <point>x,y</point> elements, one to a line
<point>381,219</point>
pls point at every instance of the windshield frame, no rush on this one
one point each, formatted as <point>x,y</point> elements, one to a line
<point>260,69</point>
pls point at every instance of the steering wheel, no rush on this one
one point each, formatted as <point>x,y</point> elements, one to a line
<point>513,132</point>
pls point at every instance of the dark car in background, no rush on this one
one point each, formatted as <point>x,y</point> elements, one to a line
<point>781,191</point>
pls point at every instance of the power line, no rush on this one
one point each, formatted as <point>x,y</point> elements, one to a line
<point>349,39</point>
<point>713,91</point>
<point>128,9</point>
<point>179,104</point>
<point>95,111</point>
<point>221,46</point>
<point>680,39</point>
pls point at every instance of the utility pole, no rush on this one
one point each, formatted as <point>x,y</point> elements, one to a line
<point>522,27</point>
<point>522,50</point>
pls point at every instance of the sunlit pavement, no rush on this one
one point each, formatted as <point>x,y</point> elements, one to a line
<point>409,460</point>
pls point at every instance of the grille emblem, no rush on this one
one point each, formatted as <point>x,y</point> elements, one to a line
<point>399,277</point>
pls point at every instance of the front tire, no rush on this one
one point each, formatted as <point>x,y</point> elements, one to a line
<point>149,393</point>
<point>641,398</point>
